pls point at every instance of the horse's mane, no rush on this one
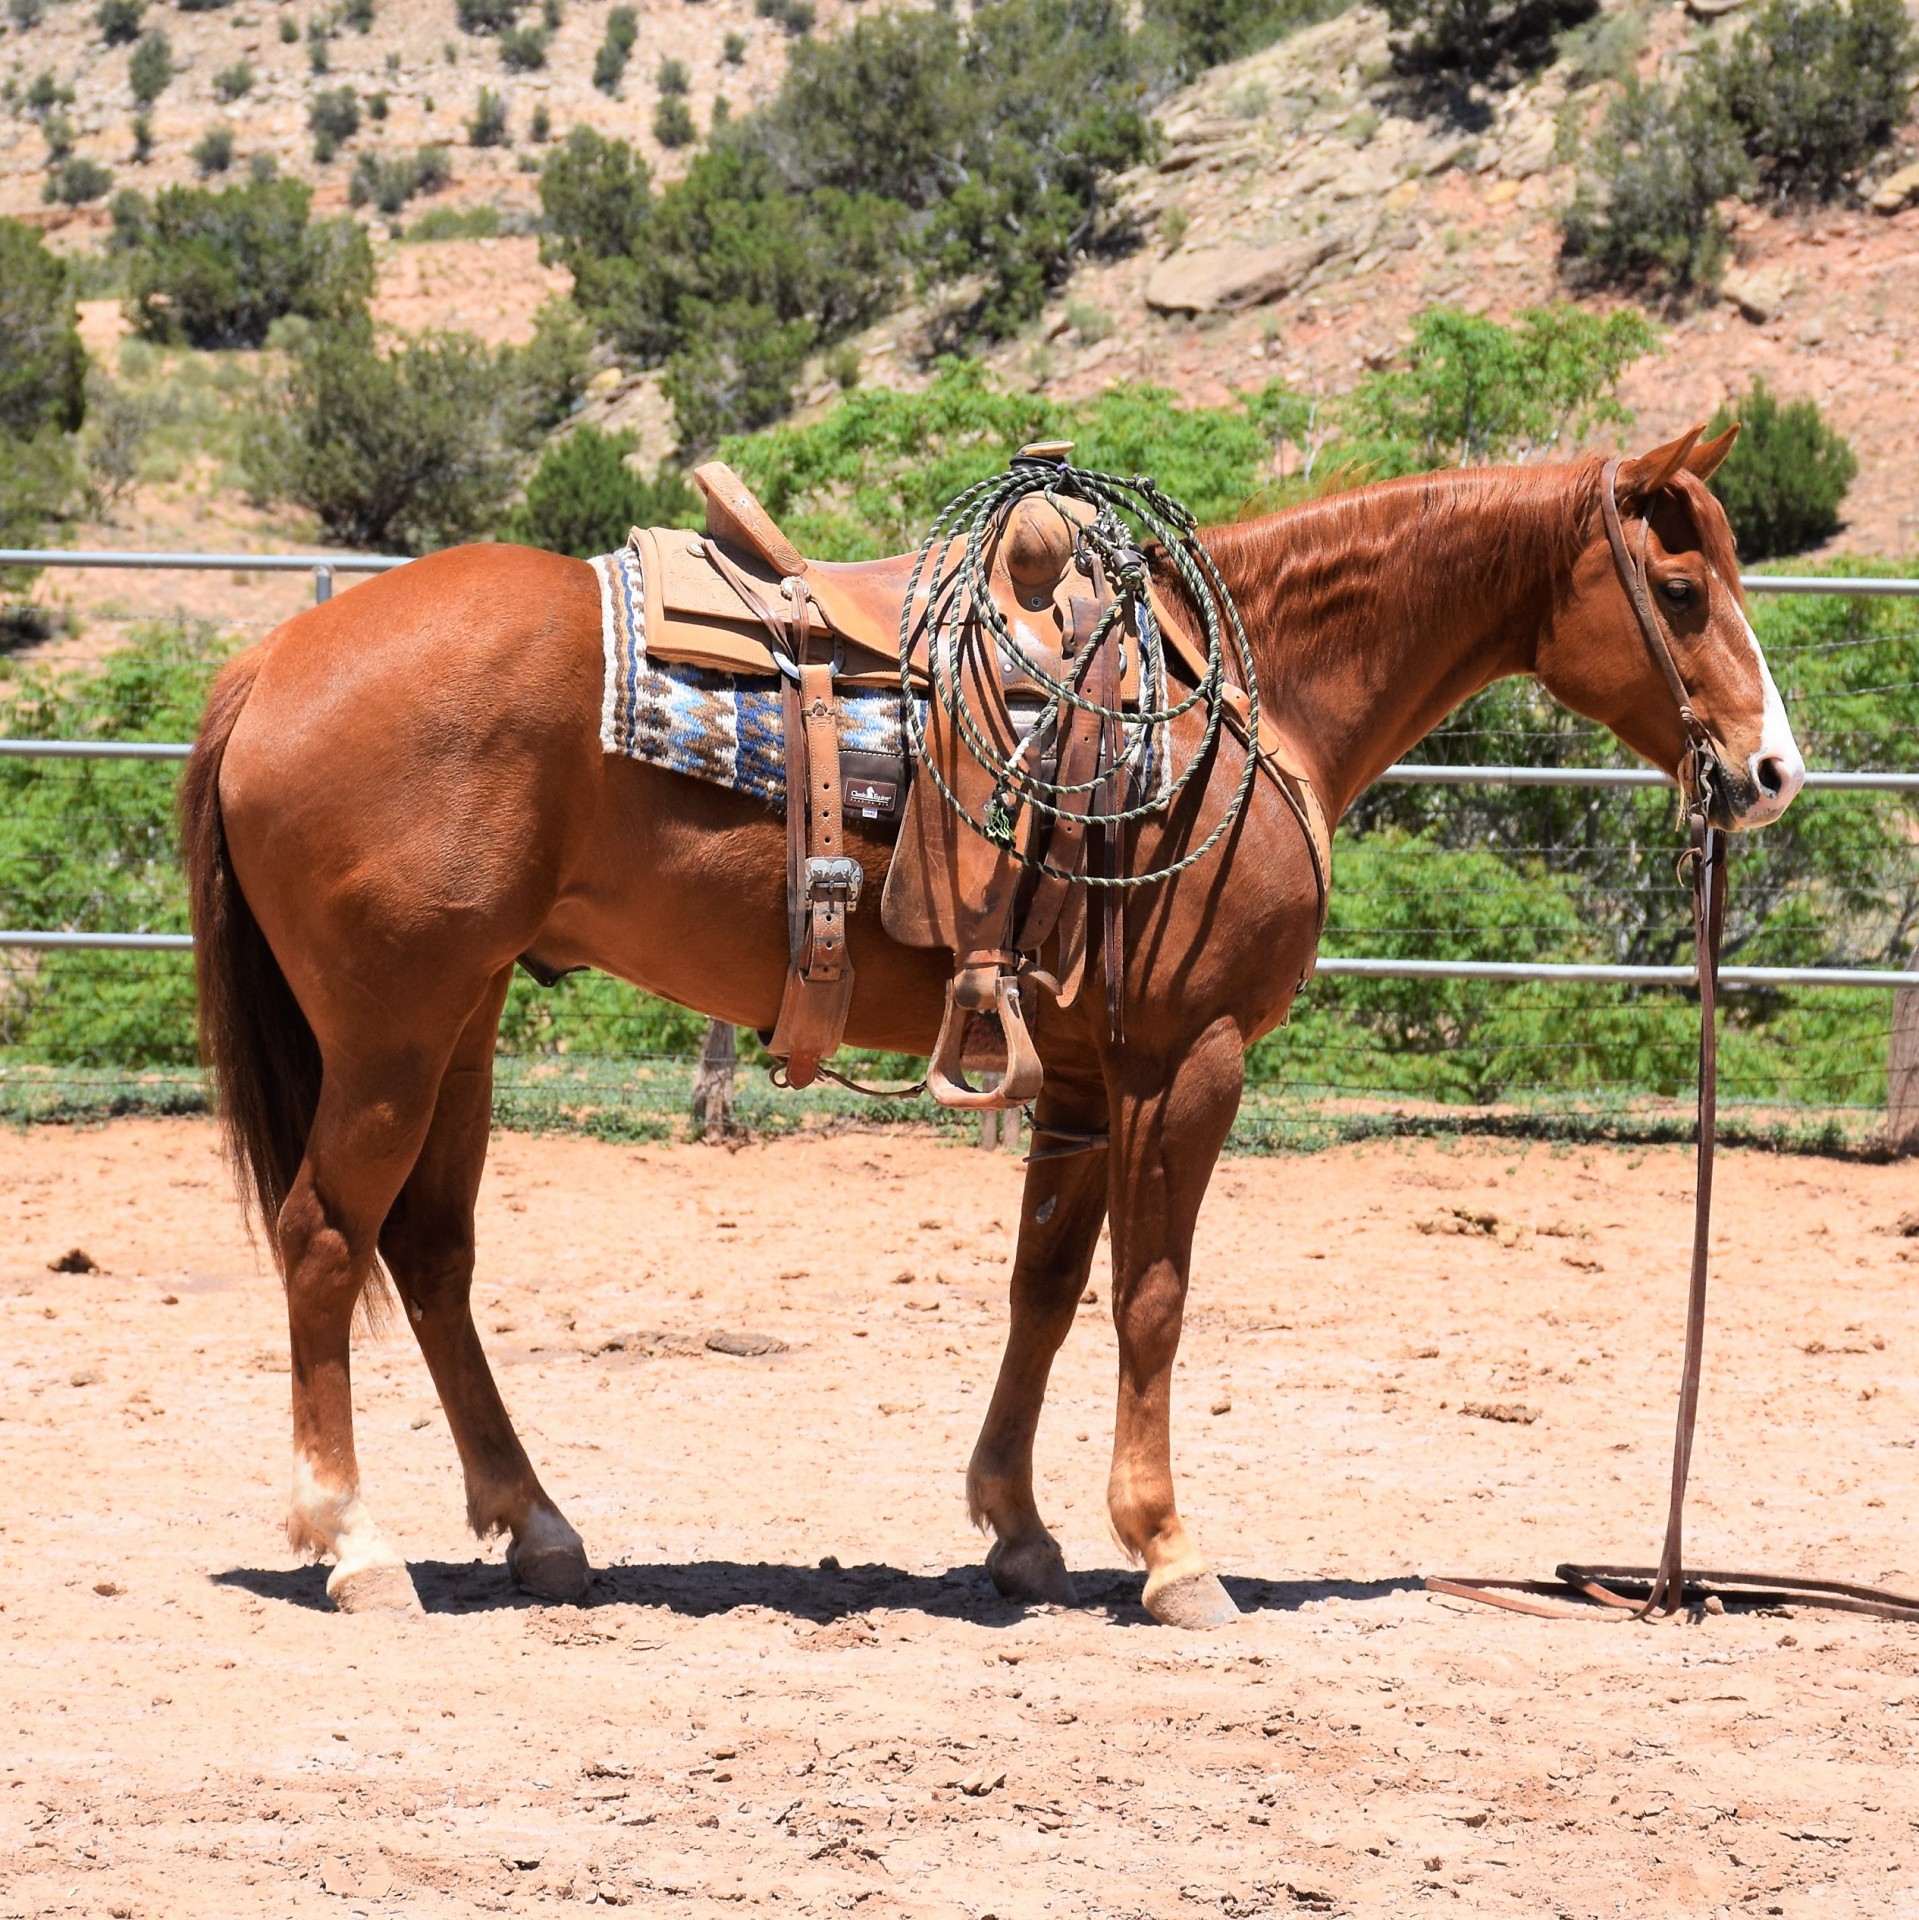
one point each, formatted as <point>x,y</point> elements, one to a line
<point>1451,538</point>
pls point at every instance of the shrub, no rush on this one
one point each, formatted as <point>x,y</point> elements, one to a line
<point>387,184</point>
<point>454,223</point>
<point>1788,471</point>
<point>26,14</point>
<point>1479,39</point>
<point>595,196</point>
<point>796,16</point>
<point>583,497</point>
<point>673,77</point>
<point>217,269</point>
<point>377,106</point>
<point>150,67</point>
<point>1208,33</point>
<point>432,170</point>
<point>1815,88</point>
<point>401,451</point>
<point>539,129</point>
<point>358,14</point>
<point>119,20</point>
<point>142,138</point>
<point>234,82</point>
<point>733,49</point>
<point>487,128</point>
<point>334,118</point>
<point>57,130</point>
<point>43,367</point>
<point>735,371</point>
<point>1648,209</point>
<point>609,63</point>
<point>523,49</point>
<point>673,122</point>
<point>289,30</point>
<point>213,151</point>
<point>44,93</point>
<point>549,373</point>
<point>486,16</point>
<point>118,423</point>
<point>77,180</point>
<point>1475,391</point>
<point>319,59</point>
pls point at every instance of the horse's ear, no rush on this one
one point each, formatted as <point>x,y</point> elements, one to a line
<point>1706,458</point>
<point>1640,479</point>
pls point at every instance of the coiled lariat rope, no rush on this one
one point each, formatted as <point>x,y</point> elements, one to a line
<point>957,595</point>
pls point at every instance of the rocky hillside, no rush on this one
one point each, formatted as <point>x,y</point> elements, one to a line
<point>1303,208</point>
<point>412,51</point>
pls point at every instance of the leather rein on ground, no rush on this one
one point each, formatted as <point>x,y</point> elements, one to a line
<point>1666,1587</point>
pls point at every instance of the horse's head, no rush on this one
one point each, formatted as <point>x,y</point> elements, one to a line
<point>1594,656</point>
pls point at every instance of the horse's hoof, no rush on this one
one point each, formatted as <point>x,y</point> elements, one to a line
<point>553,1570</point>
<point>1194,1601</point>
<point>1032,1570</point>
<point>386,1587</point>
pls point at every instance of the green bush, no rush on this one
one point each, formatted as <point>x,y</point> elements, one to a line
<point>213,151</point>
<point>1473,391</point>
<point>609,63</point>
<point>1815,88</point>
<point>733,49</point>
<point>217,269</point>
<point>584,497</point>
<point>407,450</point>
<point>550,372</point>
<point>78,179</point>
<point>389,182</point>
<point>1788,471</point>
<point>234,82</point>
<point>1647,210</point>
<point>150,67</point>
<point>673,122</point>
<point>334,118</point>
<point>26,14</point>
<point>487,128</point>
<point>673,76</point>
<point>735,371</point>
<point>358,14</point>
<point>119,20</point>
<point>44,93</point>
<point>539,128</point>
<point>1480,39</point>
<point>142,138</point>
<point>487,16</point>
<point>453,223</point>
<point>43,366</point>
<point>1208,33</point>
<point>523,49</point>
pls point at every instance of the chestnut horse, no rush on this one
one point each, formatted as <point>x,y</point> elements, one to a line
<point>401,792</point>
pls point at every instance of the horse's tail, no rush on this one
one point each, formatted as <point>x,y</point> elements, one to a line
<point>255,1043</point>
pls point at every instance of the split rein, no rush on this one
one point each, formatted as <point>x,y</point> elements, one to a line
<point>1666,1587</point>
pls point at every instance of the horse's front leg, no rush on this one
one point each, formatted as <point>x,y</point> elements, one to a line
<point>1060,1215</point>
<point>1170,1119</point>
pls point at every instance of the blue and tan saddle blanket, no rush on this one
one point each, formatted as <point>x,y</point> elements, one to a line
<point>714,724</point>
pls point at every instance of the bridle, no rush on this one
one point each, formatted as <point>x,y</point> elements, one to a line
<point>1703,862</point>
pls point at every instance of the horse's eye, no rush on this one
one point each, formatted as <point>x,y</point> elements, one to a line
<point>1678,591</point>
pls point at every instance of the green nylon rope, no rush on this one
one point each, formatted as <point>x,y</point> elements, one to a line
<point>959,599</point>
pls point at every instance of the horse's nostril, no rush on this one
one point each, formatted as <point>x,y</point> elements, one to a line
<point>1771,774</point>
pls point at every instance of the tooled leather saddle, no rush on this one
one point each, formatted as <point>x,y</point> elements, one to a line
<point>741,598</point>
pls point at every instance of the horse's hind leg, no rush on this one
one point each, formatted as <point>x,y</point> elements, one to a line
<point>372,1116</point>
<point>1170,1120</point>
<point>1060,1215</point>
<point>428,1243</point>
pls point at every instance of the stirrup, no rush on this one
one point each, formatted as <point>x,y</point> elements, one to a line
<point>977,997</point>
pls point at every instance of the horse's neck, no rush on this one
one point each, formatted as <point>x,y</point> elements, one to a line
<point>1374,614</point>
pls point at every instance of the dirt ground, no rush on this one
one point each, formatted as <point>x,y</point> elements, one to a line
<point>793,1689</point>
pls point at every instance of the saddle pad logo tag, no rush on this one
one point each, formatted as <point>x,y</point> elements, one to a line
<point>873,797</point>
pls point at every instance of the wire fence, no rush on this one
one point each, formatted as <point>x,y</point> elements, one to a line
<point>1508,949</point>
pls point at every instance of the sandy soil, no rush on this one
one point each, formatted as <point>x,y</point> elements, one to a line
<point>794,1690</point>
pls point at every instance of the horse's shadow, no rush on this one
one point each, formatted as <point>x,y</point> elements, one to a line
<point>817,1596</point>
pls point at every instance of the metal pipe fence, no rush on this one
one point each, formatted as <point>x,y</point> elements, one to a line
<point>324,566</point>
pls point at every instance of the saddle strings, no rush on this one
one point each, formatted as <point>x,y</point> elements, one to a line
<point>960,609</point>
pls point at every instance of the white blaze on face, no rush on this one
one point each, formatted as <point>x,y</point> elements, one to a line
<point>1776,767</point>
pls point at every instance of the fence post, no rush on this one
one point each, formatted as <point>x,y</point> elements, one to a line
<point>322,584</point>
<point>713,1081</point>
<point>1902,1067</point>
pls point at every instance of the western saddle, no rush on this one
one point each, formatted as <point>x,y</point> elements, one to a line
<point>997,886</point>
